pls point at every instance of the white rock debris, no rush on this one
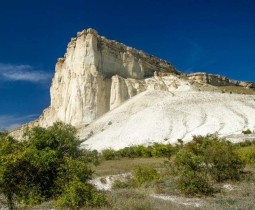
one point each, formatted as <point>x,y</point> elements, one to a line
<point>165,117</point>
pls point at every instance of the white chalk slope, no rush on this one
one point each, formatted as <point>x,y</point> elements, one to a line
<point>164,117</point>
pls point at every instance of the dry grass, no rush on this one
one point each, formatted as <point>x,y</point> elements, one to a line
<point>237,89</point>
<point>112,167</point>
<point>241,196</point>
<point>134,199</point>
<point>227,89</point>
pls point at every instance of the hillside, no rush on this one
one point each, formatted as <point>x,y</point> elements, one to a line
<point>164,117</point>
<point>119,96</point>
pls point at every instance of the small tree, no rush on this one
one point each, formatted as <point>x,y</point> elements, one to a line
<point>225,164</point>
<point>203,161</point>
<point>46,165</point>
<point>248,131</point>
<point>11,155</point>
<point>143,175</point>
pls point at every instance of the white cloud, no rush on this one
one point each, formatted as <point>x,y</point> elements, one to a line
<point>9,122</point>
<point>28,73</point>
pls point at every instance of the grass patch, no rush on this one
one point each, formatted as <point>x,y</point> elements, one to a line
<point>231,194</point>
<point>237,90</point>
<point>241,197</point>
<point>112,167</point>
<point>226,89</point>
<point>135,199</point>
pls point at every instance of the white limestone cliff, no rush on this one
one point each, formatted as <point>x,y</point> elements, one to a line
<point>123,89</point>
<point>83,87</point>
<point>96,75</point>
<point>118,96</point>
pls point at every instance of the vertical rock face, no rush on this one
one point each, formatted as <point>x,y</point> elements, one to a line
<point>79,91</point>
<point>97,75</point>
<point>124,89</point>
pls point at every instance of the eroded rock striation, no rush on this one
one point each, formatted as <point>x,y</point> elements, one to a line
<point>164,117</point>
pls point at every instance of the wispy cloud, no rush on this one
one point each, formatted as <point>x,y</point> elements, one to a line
<point>27,73</point>
<point>9,122</point>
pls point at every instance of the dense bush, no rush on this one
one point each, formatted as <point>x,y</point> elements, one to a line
<point>156,150</point>
<point>143,175</point>
<point>246,150</point>
<point>203,161</point>
<point>191,183</point>
<point>248,131</point>
<point>109,154</point>
<point>245,143</point>
<point>77,194</point>
<point>223,162</point>
<point>140,176</point>
<point>47,164</point>
<point>247,154</point>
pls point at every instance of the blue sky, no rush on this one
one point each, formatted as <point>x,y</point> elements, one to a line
<point>216,36</point>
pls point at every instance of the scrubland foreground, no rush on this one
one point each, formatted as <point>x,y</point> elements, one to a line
<point>48,170</point>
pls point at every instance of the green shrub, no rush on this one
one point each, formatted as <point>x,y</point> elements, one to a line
<point>248,131</point>
<point>143,175</point>
<point>191,183</point>
<point>163,150</point>
<point>193,177</point>
<point>109,154</point>
<point>225,164</point>
<point>156,150</point>
<point>77,194</point>
<point>247,153</point>
<point>203,161</point>
<point>244,143</point>
<point>47,164</point>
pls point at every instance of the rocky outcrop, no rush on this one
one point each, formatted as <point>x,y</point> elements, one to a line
<point>82,87</point>
<point>96,75</point>
<point>218,80</point>
<point>123,89</point>
<point>244,84</point>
